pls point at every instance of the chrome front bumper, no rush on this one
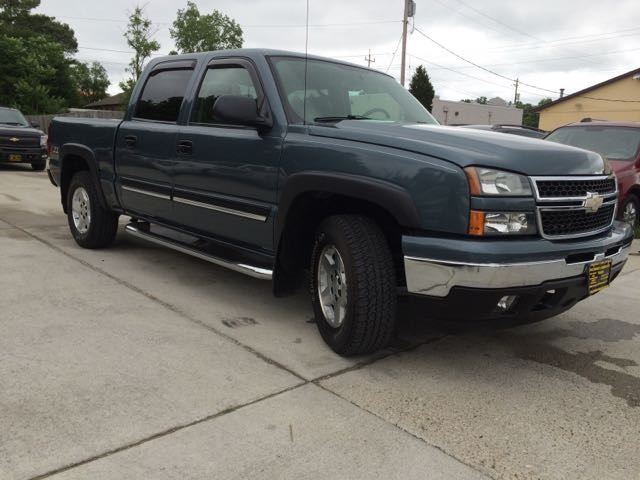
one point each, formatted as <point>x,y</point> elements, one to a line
<point>426,276</point>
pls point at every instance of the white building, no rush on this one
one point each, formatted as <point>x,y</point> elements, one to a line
<point>495,112</point>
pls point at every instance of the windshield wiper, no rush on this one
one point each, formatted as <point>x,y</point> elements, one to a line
<point>18,124</point>
<point>339,119</point>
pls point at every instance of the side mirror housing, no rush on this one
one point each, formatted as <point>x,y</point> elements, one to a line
<point>239,110</point>
<point>35,124</point>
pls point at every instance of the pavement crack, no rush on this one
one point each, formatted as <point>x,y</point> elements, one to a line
<point>376,358</point>
<point>485,472</point>
<point>164,433</point>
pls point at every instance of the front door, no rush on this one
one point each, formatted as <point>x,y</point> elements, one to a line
<point>225,175</point>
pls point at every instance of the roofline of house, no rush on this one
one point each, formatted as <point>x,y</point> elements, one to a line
<point>588,89</point>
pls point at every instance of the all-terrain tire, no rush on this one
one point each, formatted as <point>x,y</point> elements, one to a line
<point>371,299</point>
<point>94,225</point>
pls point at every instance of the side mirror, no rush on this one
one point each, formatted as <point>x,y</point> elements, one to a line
<point>239,110</point>
<point>35,124</point>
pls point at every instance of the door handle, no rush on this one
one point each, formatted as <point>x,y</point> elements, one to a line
<point>130,140</point>
<point>184,147</point>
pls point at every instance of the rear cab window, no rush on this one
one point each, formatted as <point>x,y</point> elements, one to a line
<point>162,95</point>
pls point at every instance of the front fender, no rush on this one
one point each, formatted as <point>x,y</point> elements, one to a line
<point>389,196</point>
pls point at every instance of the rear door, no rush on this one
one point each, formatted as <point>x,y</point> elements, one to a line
<point>145,144</point>
<point>225,175</point>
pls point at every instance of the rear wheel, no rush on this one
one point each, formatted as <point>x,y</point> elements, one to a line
<point>353,285</point>
<point>630,212</point>
<point>91,225</point>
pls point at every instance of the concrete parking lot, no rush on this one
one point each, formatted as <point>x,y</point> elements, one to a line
<point>142,363</point>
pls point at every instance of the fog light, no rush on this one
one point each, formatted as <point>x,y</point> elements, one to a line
<point>506,303</point>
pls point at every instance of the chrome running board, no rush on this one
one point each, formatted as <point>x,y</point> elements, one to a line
<point>252,271</point>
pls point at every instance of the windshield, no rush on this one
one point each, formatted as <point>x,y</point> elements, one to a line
<point>12,117</point>
<point>337,92</point>
<point>613,143</point>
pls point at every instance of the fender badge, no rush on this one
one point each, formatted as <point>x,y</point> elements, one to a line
<point>593,202</point>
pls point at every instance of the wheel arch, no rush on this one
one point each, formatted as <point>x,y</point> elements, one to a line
<point>308,198</point>
<point>75,158</point>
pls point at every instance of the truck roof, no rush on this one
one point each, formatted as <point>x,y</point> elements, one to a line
<point>253,53</point>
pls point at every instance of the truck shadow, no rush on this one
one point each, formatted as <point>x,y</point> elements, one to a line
<point>21,167</point>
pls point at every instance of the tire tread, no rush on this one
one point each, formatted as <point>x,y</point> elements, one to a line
<point>374,302</point>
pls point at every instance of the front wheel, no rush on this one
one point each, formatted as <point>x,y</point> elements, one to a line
<point>630,212</point>
<point>38,167</point>
<point>91,225</point>
<point>353,285</point>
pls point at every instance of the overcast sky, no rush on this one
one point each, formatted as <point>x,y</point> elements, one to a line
<point>548,44</point>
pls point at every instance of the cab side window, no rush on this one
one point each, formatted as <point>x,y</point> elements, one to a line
<point>162,95</point>
<point>222,80</point>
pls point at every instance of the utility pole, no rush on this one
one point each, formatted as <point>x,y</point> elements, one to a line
<point>405,22</point>
<point>369,59</point>
<point>516,96</point>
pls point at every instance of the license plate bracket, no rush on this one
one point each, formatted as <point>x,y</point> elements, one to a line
<point>14,157</point>
<point>598,276</point>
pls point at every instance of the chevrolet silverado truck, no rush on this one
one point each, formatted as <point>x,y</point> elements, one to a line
<point>273,164</point>
<point>21,142</point>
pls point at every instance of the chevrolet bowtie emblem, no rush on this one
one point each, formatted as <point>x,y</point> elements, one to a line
<point>14,139</point>
<point>593,202</point>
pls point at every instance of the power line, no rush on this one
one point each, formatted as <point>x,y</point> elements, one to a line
<point>553,59</point>
<point>394,53</point>
<point>265,25</point>
<point>472,76</point>
<point>479,12</point>
<point>456,71</point>
<point>479,66</point>
<point>562,41</point>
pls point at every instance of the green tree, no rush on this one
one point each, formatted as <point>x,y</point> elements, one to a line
<point>421,88</point>
<point>139,36</point>
<point>16,20</point>
<point>481,100</point>
<point>530,117</point>
<point>91,82</point>
<point>12,9</point>
<point>35,51</point>
<point>544,101</point>
<point>194,32</point>
<point>34,64</point>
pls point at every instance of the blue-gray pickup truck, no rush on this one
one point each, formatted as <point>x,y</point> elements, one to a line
<point>274,164</point>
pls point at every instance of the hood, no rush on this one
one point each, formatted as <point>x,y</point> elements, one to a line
<point>466,147</point>
<point>20,131</point>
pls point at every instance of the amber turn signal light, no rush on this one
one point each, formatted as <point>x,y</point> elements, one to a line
<point>474,181</point>
<point>476,223</point>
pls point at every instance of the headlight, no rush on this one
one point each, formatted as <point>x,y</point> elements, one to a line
<point>43,140</point>
<point>486,181</point>
<point>501,223</point>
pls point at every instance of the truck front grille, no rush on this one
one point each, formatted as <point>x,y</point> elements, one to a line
<point>573,221</point>
<point>575,188</point>
<point>23,142</point>
<point>565,205</point>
